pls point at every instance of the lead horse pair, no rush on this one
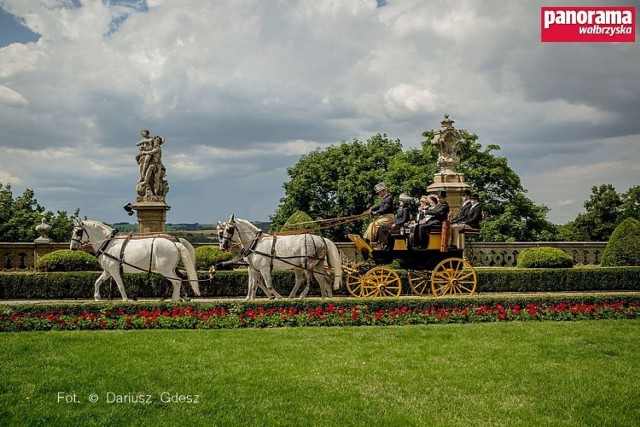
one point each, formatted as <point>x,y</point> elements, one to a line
<point>118,254</point>
<point>305,253</point>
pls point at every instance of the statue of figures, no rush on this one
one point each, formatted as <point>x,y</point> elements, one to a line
<point>152,185</point>
<point>448,141</point>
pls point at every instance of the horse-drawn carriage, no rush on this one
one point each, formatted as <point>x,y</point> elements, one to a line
<point>438,268</point>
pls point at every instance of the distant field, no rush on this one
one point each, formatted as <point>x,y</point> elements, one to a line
<point>515,373</point>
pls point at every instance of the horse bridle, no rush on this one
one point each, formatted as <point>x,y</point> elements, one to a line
<point>227,235</point>
<point>78,233</point>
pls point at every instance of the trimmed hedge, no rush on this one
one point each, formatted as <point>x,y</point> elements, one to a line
<point>209,256</point>
<point>623,247</point>
<point>234,283</point>
<point>67,260</point>
<point>544,257</point>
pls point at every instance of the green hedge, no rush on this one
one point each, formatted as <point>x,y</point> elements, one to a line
<point>76,285</point>
<point>544,257</point>
<point>67,260</point>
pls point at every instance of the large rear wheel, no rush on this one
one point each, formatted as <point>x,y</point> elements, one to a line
<point>452,277</point>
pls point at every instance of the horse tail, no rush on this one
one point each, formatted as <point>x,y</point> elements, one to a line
<point>188,255</point>
<point>336,263</point>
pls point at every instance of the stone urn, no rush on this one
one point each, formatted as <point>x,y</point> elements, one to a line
<point>43,230</point>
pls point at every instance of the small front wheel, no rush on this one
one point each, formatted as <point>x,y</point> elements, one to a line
<point>419,282</point>
<point>453,276</point>
<point>381,282</point>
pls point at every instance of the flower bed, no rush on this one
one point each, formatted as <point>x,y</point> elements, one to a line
<point>319,313</point>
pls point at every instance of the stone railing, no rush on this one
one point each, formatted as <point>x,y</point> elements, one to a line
<point>22,256</point>
<point>498,254</point>
<point>488,254</point>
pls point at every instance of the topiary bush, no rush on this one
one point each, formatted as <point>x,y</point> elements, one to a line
<point>67,260</point>
<point>208,256</point>
<point>544,257</point>
<point>300,221</point>
<point>623,247</point>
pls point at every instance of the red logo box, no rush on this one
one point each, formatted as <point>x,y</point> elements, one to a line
<point>588,24</point>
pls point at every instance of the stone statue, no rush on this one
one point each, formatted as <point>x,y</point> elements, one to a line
<point>152,185</point>
<point>448,141</point>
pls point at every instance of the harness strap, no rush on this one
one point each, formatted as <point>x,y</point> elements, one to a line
<point>273,252</point>
<point>122,248</point>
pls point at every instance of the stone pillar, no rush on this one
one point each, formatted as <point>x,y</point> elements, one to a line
<point>152,216</point>
<point>454,185</point>
<point>43,244</point>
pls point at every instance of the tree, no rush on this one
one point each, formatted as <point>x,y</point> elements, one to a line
<point>339,181</point>
<point>600,219</point>
<point>509,214</point>
<point>630,206</point>
<point>20,216</point>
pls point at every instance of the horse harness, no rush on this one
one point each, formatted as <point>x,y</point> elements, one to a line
<point>102,250</point>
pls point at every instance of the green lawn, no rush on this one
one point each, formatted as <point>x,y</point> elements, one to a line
<point>516,373</point>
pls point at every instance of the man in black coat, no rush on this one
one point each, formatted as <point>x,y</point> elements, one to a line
<point>471,221</point>
<point>466,204</point>
<point>383,212</point>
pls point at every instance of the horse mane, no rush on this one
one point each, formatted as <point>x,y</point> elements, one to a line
<point>248,224</point>
<point>98,224</point>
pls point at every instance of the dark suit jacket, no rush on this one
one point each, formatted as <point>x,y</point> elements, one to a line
<point>402,217</point>
<point>439,212</point>
<point>462,214</point>
<point>384,207</point>
<point>474,216</point>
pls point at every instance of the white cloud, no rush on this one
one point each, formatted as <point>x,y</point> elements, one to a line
<point>241,89</point>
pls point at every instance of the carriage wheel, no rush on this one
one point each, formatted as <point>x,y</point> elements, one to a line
<point>381,282</point>
<point>453,276</point>
<point>353,281</point>
<point>419,282</point>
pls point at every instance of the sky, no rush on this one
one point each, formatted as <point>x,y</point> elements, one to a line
<point>241,89</point>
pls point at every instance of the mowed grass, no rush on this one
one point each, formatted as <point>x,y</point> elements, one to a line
<point>518,373</point>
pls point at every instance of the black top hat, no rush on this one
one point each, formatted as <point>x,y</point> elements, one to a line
<point>475,196</point>
<point>466,192</point>
<point>442,193</point>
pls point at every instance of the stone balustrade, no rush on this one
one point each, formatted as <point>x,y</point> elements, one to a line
<point>22,256</point>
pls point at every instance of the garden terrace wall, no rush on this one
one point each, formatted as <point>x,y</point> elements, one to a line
<point>22,256</point>
<point>80,285</point>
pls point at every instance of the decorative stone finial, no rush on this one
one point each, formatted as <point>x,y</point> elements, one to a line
<point>448,142</point>
<point>43,230</point>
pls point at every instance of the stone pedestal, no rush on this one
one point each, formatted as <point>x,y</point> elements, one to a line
<point>152,216</point>
<point>454,185</point>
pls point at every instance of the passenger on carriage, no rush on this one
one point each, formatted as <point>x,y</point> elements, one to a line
<point>439,214</point>
<point>403,216</point>
<point>383,212</point>
<point>421,217</point>
<point>469,221</point>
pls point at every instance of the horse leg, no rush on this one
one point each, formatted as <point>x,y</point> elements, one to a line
<point>177,284</point>
<point>298,281</point>
<point>323,280</point>
<point>120,283</point>
<point>266,276</point>
<point>104,276</point>
<point>251,285</point>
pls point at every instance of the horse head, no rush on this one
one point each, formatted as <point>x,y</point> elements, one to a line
<point>79,235</point>
<point>226,233</point>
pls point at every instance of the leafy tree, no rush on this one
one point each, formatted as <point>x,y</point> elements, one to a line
<point>630,206</point>
<point>337,181</point>
<point>601,217</point>
<point>20,216</point>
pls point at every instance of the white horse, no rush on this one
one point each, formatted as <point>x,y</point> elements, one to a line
<point>301,252</point>
<point>160,253</point>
